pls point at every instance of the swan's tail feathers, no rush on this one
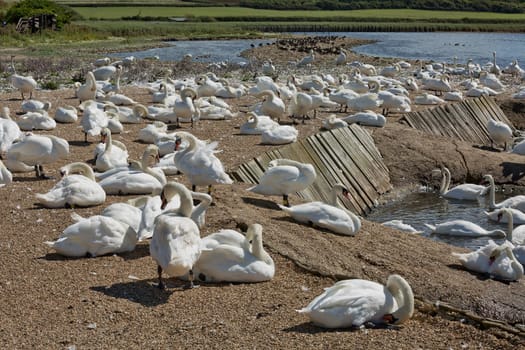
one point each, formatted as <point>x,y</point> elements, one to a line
<point>75,217</point>
<point>431,227</point>
<point>48,201</point>
<point>50,244</point>
<point>284,208</point>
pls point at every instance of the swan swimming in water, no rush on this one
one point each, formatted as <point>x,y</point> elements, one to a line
<point>285,176</point>
<point>352,303</point>
<point>516,202</point>
<point>460,192</point>
<point>329,216</point>
<point>176,243</point>
<point>463,228</point>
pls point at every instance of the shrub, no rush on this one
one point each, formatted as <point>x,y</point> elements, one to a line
<point>28,8</point>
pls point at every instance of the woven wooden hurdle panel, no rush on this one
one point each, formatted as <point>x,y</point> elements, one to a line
<point>346,155</point>
<point>466,120</point>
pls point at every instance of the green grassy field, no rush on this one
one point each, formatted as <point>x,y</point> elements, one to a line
<point>217,12</point>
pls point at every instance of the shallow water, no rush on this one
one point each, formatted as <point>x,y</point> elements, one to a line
<point>418,208</point>
<point>435,46</point>
<point>201,50</point>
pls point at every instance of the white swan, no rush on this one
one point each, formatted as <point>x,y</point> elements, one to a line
<point>95,236</point>
<point>77,188</point>
<point>37,150</point>
<point>400,225</point>
<point>105,72</point>
<point>366,118</point>
<point>9,130</point>
<point>256,124</point>
<point>26,84</point>
<point>138,179</point>
<point>463,228</point>
<point>272,105</point>
<point>499,133</point>
<point>112,156</point>
<point>35,106</point>
<point>175,245</point>
<point>392,102</point>
<point>461,192</point>
<point>185,109</point>
<point>126,213</point>
<point>285,176</point>
<point>36,121</point>
<point>428,99</point>
<point>332,122</point>
<point>129,115</point>
<point>341,58</point>
<point>88,90</point>
<point>518,217</point>
<point>153,207</point>
<point>300,104</point>
<point>478,261</point>
<point>328,216</point>
<point>66,114</point>
<point>279,135</point>
<point>233,262</point>
<point>152,132</point>
<point>440,84</point>
<point>5,175</point>
<point>505,266</point>
<point>491,81</point>
<point>515,235</point>
<point>354,302</point>
<point>307,60</point>
<point>199,163</point>
<point>93,119</point>
<point>517,202</point>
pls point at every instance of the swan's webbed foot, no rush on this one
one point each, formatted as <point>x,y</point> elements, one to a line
<point>68,206</point>
<point>161,284</point>
<point>191,284</point>
<point>39,170</point>
<point>210,189</point>
<point>286,203</point>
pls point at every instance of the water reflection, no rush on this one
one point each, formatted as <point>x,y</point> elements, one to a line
<point>419,208</point>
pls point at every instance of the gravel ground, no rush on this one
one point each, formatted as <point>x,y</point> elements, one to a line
<point>52,302</point>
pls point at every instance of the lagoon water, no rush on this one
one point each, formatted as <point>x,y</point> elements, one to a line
<point>435,46</point>
<point>419,208</point>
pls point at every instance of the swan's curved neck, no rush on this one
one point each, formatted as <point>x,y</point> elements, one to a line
<point>186,203</point>
<point>402,292</point>
<point>205,202</point>
<point>445,181</point>
<point>258,249</point>
<point>492,193</point>
<point>510,224</point>
<point>109,142</point>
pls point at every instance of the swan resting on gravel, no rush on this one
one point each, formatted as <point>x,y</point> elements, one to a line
<point>354,302</point>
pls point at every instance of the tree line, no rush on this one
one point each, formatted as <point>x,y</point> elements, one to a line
<point>509,6</point>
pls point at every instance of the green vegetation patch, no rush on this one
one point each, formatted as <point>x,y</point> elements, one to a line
<point>239,13</point>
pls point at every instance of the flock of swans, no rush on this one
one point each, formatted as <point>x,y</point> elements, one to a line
<point>165,213</point>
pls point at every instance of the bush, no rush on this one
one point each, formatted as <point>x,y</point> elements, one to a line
<point>29,8</point>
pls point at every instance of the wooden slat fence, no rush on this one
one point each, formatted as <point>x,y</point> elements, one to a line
<point>346,155</point>
<point>464,120</point>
